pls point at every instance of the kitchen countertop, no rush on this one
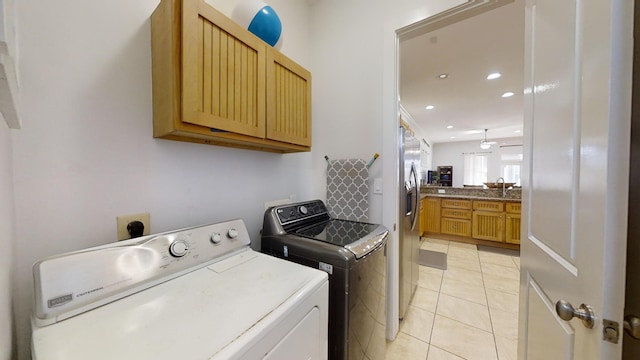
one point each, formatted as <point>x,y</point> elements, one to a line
<point>469,197</point>
<point>512,195</point>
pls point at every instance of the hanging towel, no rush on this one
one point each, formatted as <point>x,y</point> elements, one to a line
<point>348,189</point>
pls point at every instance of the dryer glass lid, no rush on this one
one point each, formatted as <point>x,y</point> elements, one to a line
<point>338,232</point>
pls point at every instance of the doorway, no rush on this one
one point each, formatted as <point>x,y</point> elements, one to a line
<point>469,310</point>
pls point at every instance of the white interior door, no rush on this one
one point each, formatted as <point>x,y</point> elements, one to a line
<point>578,56</point>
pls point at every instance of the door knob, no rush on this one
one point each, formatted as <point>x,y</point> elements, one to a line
<point>632,326</point>
<point>566,311</point>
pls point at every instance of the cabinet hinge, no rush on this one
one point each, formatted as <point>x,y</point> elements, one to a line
<point>610,331</point>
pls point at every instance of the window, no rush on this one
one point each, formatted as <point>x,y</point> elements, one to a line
<point>475,168</point>
<point>511,164</point>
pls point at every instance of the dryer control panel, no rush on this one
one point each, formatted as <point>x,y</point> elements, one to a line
<point>72,283</point>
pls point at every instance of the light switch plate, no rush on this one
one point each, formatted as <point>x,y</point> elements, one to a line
<point>123,220</point>
<point>377,186</point>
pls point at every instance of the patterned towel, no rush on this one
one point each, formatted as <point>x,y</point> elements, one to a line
<point>348,189</point>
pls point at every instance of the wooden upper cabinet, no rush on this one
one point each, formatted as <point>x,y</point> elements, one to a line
<point>288,100</point>
<point>223,69</point>
<point>214,82</point>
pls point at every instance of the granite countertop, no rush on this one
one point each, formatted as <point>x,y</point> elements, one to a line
<point>470,197</point>
<point>512,195</point>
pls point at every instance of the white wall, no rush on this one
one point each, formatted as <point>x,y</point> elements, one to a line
<point>355,110</point>
<point>445,154</point>
<point>86,152</point>
<point>7,237</point>
<point>348,46</point>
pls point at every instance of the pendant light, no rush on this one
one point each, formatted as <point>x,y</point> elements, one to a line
<point>484,144</point>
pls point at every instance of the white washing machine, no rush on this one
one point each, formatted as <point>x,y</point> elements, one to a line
<point>196,293</point>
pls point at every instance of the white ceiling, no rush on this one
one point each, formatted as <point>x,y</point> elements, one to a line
<point>468,51</point>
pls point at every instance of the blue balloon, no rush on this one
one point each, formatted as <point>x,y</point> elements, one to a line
<point>266,25</point>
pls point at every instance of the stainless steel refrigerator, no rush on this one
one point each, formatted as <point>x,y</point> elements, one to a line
<point>409,236</point>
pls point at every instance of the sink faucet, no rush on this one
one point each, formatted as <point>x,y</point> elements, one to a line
<point>504,191</point>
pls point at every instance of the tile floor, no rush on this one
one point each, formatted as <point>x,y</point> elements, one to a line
<point>469,311</point>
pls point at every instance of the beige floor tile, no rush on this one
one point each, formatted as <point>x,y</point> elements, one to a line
<point>377,349</point>
<point>435,247</point>
<point>464,253</point>
<point>501,283</point>
<point>466,276</point>
<point>439,354</point>
<point>507,348</point>
<point>517,261</point>
<point>436,240</point>
<point>462,263</point>
<point>505,324</point>
<point>510,272</point>
<point>464,311</point>
<point>417,323</point>
<point>502,301</point>
<point>464,291</point>
<point>462,245</point>
<point>430,278</point>
<point>406,347</point>
<point>425,299</point>
<point>498,259</point>
<point>463,340</point>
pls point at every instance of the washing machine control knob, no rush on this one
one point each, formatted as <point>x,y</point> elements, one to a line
<point>216,238</point>
<point>232,233</point>
<point>303,210</point>
<point>178,248</point>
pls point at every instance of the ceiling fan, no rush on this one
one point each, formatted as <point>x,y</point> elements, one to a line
<point>484,144</point>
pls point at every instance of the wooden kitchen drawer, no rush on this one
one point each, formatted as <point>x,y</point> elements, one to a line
<point>513,207</point>
<point>481,205</point>
<point>456,213</point>
<point>456,204</point>
<point>455,227</point>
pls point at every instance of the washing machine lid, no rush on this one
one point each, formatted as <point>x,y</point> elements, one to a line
<point>200,315</point>
<point>358,237</point>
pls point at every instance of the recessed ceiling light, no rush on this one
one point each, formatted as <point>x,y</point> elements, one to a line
<point>443,76</point>
<point>450,127</point>
<point>507,94</point>
<point>429,107</point>
<point>517,131</point>
<point>493,76</point>
<point>452,137</point>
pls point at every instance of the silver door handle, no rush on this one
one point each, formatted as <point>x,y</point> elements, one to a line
<point>632,326</point>
<point>566,311</point>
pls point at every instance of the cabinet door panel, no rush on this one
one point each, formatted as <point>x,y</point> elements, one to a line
<point>288,100</point>
<point>512,233</point>
<point>430,210</point>
<point>488,225</point>
<point>223,83</point>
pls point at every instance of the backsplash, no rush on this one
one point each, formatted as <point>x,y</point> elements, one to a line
<point>487,193</point>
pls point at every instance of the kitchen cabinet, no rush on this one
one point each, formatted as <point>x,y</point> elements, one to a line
<point>216,83</point>
<point>512,223</point>
<point>488,220</point>
<point>429,215</point>
<point>456,217</point>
